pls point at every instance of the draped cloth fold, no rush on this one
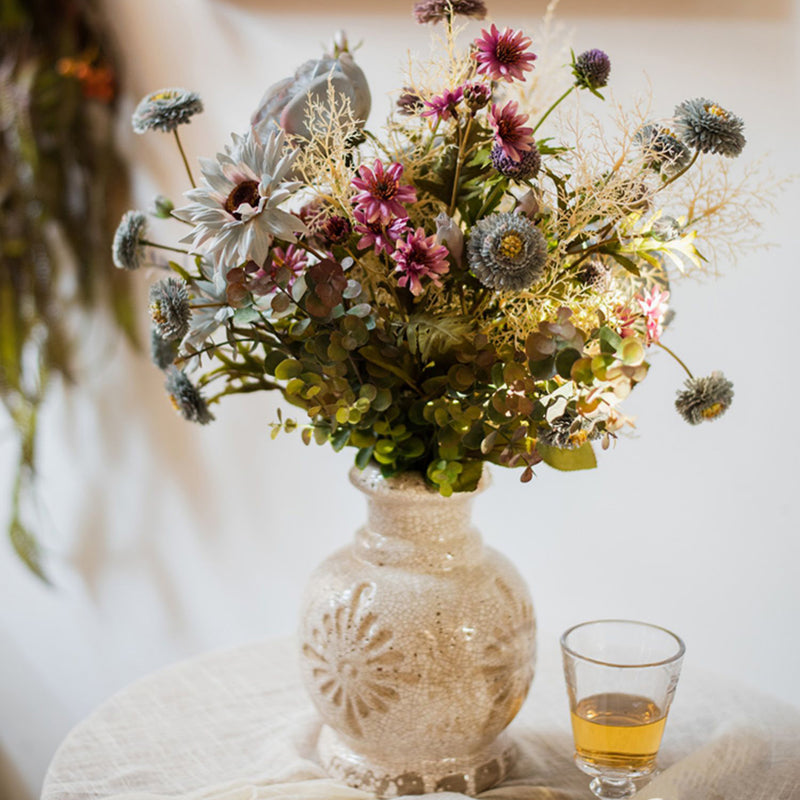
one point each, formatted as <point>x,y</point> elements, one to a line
<point>237,725</point>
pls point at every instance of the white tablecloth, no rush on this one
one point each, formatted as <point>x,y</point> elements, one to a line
<point>236,725</point>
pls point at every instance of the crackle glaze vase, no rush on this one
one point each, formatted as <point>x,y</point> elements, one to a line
<point>417,646</point>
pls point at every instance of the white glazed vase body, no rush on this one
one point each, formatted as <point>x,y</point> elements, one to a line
<point>417,646</point>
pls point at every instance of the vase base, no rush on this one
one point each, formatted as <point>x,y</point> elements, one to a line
<point>470,774</point>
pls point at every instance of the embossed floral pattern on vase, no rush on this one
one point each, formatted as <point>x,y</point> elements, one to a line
<point>354,662</point>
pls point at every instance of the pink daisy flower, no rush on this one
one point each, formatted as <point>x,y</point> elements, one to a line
<point>509,130</point>
<point>502,56</point>
<point>420,257</point>
<point>654,308</point>
<point>444,105</point>
<point>381,195</point>
<point>377,234</point>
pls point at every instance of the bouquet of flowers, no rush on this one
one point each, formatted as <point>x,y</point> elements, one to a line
<point>461,288</point>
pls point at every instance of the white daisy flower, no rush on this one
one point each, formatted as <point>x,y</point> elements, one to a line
<point>235,212</point>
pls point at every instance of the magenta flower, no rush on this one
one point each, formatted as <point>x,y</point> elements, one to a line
<point>381,195</point>
<point>444,105</point>
<point>502,56</point>
<point>420,257</point>
<point>654,308</point>
<point>509,130</point>
<point>377,234</point>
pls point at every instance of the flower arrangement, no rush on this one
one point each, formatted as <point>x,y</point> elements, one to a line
<point>459,289</point>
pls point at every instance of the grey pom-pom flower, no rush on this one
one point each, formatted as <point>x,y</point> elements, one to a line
<point>169,308</point>
<point>127,249</point>
<point>162,352</point>
<point>705,399</point>
<point>436,10</point>
<point>506,252</point>
<point>709,128</point>
<point>662,149</point>
<point>165,109</point>
<point>186,397</point>
<point>527,167</point>
<point>591,69</point>
<point>666,229</point>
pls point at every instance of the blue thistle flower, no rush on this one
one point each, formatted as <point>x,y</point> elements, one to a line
<point>709,128</point>
<point>591,69</point>
<point>506,252</point>
<point>524,169</point>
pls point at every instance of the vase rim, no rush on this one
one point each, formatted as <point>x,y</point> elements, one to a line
<point>371,482</point>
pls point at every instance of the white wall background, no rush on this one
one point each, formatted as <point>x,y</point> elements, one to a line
<point>169,539</point>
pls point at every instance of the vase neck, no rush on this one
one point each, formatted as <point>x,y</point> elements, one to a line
<point>410,525</point>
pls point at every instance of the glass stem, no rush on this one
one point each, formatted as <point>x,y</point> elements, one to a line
<point>607,788</point>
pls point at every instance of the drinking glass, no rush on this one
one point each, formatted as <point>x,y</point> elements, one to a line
<point>621,676</point>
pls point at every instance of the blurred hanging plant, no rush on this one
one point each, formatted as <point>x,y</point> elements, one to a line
<point>62,182</point>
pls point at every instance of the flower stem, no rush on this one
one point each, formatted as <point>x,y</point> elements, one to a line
<point>491,198</point>
<point>185,160</point>
<point>164,247</point>
<point>680,173</point>
<point>459,164</point>
<point>664,347</point>
<point>432,137</point>
<point>553,108</point>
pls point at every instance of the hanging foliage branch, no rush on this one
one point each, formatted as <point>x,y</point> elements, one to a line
<point>62,183</point>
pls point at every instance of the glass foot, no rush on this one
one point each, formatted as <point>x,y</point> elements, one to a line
<point>608,788</point>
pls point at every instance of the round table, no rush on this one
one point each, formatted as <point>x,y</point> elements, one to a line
<point>236,725</point>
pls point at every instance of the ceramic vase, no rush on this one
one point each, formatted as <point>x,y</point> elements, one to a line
<point>417,646</point>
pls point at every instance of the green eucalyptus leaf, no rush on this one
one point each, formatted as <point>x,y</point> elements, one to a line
<point>568,460</point>
<point>288,368</point>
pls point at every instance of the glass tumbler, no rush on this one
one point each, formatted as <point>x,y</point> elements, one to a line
<point>621,676</point>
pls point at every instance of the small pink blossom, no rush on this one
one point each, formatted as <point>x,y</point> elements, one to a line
<point>502,56</point>
<point>444,105</point>
<point>419,257</point>
<point>381,195</point>
<point>626,320</point>
<point>377,234</point>
<point>261,280</point>
<point>510,131</point>
<point>293,258</point>
<point>654,308</point>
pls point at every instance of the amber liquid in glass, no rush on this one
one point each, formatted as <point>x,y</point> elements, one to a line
<point>618,731</point>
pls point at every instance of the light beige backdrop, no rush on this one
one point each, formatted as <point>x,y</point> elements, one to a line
<point>169,539</point>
